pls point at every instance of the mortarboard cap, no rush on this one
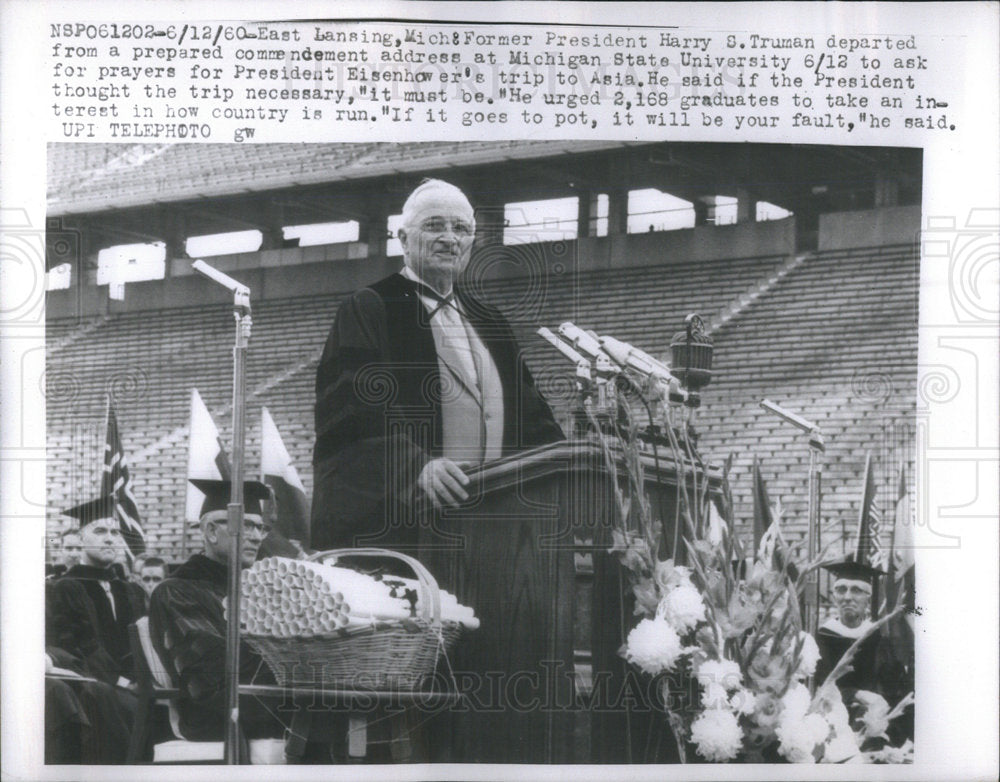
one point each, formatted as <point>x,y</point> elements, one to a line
<point>92,510</point>
<point>848,568</point>
<point>217,494</point>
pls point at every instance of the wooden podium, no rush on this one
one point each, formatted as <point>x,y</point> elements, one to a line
<point>509,553</point>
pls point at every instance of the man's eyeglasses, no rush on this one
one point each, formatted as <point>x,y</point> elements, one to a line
<point>438,225</point>
<point>259,527</point>
<point>249,525</point>
<point>102,531</point>
<point>841,591</point>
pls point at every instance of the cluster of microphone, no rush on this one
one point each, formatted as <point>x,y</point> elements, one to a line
<point>600,358</point>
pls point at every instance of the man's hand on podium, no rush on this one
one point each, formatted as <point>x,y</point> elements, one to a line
<point>442,481</point>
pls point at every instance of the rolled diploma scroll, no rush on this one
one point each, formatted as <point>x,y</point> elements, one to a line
<point>362,593</point>
<point>451,609</point>
<point>286,598</point>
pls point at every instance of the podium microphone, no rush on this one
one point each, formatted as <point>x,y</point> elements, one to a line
<point>581,340</point>
<point>563,347</point>
<point>583,367</point>
<point>640,361</point>
<point>634,358</point>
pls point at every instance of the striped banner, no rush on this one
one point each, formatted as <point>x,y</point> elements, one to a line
<point>878,555</point>
<point>870,550</point>
<point>117,483</point>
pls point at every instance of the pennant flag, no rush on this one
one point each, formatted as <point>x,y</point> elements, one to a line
<point>762,518</point>
<point>900,589</point>
<point>207,457</point>
<point>869,550</point>
<point>117,483</point>
<point>278,472</point>
<point>900,585</point>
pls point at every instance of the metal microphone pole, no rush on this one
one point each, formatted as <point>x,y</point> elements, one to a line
<point>584,380</point>
<point>241,313</point>
<point>816,447</point>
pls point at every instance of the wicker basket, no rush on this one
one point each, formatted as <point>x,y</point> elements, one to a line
<point>390,655</point>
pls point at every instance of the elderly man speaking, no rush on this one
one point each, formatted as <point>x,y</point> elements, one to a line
<point>417,382</point>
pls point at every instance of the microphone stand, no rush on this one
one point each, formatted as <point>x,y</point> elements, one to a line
<point>584,380</point>
<point>816,447</point>
<point>241,313</point>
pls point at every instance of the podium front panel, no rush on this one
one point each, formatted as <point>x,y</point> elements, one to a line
<point>505,555</point>
<point>509,553</point>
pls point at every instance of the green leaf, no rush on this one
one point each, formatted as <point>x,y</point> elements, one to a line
<point>707,550</point>
<point>618,542</point>
<point>647,598</point>
<point>741,616</point>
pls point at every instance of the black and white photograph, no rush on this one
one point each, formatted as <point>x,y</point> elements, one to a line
<point>643,414</point>
<point>581,451</point>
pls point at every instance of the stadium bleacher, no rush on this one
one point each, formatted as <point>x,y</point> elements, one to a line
<point>797,314</point>
<point>834,339</point>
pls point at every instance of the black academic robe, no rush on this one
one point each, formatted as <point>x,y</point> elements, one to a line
<point>874,669</point>
<point>864,673</point>
<point>378,411</point>
<point>79,620</point>
<point>188,629</point>
<point>89,722</point>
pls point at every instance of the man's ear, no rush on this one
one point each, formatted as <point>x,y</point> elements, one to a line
<point>401,235</point>
<point>211,530</point>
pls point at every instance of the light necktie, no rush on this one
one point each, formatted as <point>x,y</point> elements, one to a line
<point>454,343</point>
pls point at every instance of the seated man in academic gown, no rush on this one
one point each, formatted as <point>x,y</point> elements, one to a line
<point>87,721</point>
<point>67,555</point>
<point>90,606</point>
<point>188,627</point>
<point>852,595</point>
<point>87,614</point>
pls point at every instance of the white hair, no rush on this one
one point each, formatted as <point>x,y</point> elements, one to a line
<point>425,188</point>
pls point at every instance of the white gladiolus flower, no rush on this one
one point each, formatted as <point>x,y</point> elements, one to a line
<point>723,672</point>
<point>653,646</point>
<point>743,702</point>
<point>799,737</point>
<point>876,717</point>
<point>839,718</point>
<point>809,657</point>
<point>903,754</point>
<point>682,608</point>
<point>717,735</point>
<point>668,575</point>
<point>714,696</point>
<point>766,710</point>
<point>795,703</point>
<point>842,748</point>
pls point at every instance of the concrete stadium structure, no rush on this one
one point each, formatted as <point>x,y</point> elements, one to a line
<point>816,311</point>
